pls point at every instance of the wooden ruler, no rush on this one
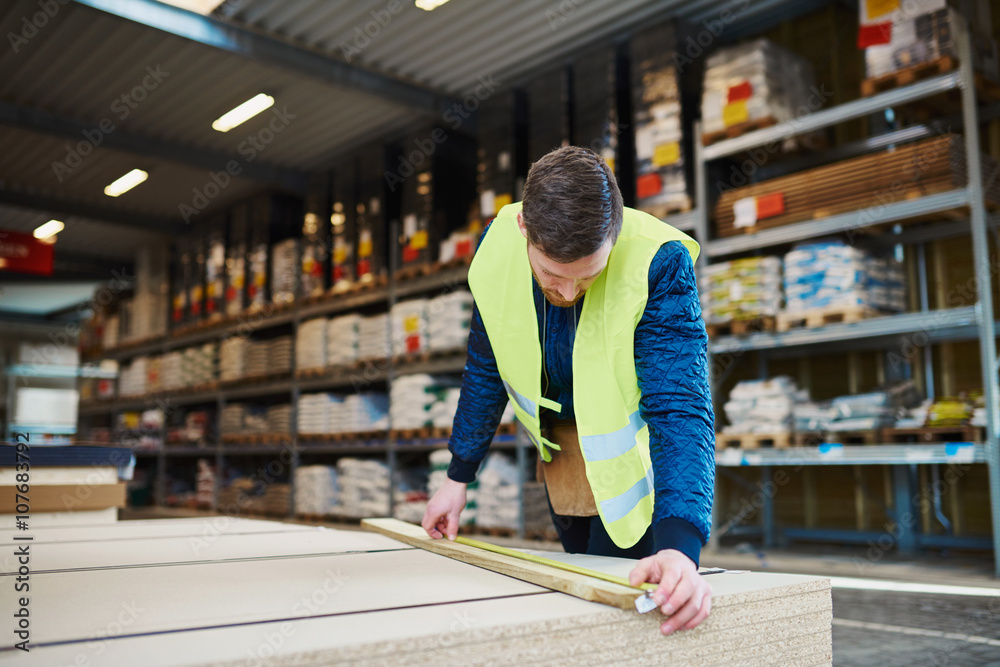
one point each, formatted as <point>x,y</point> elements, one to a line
<point>570,579</point>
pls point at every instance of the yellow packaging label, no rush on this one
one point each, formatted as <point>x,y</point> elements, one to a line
<point>339,255</point>
<point>211,290</point>
<point>259,279</point>
<point>665,155</point>
<point>365,247</point>
<point>502,200</point>
<point>878,8</point>
<point>611,162</point>
<point>411,324</point>
<point>734,113</point>
<point>238,281</point>
<point>419,240</point>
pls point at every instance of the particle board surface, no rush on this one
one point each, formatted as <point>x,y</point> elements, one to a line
<point>141,552</point>
<point>267,600</point>
<point>178,597</point>
<point>108,515</point>
<point>155,528</point>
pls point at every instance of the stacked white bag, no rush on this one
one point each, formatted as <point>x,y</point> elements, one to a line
<point>310,345</point>
<point>364,487</point>
<point>316,490</point>
<point>409,327</point>
<point>449,318</point>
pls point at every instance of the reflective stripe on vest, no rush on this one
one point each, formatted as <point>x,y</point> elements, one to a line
<point>609,445</point>
<point>617,507</point>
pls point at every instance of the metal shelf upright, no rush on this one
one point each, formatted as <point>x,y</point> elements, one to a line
<point>953,324</point>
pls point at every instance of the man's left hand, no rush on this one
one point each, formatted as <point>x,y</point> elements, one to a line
<point>683,595</point>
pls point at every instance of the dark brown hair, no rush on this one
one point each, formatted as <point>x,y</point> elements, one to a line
<point>571,204</point>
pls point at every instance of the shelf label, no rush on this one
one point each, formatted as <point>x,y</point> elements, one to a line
<point>419,240</point>
<point>735,113</point>
<point>502,200</point>
<point>739,92</point>
<point>831,450</point>
<point>875,9</point>
<point>665,155</point>
<point>648,185</point>
<point>960,452</point>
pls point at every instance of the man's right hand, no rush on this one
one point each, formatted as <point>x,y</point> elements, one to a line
<point>441,517</point>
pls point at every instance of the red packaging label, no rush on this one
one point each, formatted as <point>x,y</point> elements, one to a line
<point>463,248</point>
<point>338,273</point>
<point>770,205</point>
<point>410,254</point>
<point>742,91</point>
<point>648,185</point>
<point>364,267</point>
<point>413,343</point>
<point>874,34</point>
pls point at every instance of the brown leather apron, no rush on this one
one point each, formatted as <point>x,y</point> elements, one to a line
<point>565,476</point>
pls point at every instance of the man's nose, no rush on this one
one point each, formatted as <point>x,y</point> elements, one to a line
<point>567,289</point>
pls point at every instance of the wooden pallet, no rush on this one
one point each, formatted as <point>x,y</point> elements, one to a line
<point>423,433</point>
<point>808,439</point>
<point>753,440</point>
<point>908,75</point>
<point>733,131</point>
<point>456,263</point>
<point>742,327</point>
<point>962,433</point>
<point>665,210</point>
<point>869,437</point>
<point>507,429</point>
<point>417,270</point>
<point>355,287</point>
<point>821,317</point>
<point>256,438</point>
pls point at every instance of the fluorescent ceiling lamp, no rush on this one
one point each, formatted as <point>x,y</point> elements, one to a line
<point>243,112</point>
<point>126,183</point>
<point>429,5</point>
<point>49,230</point>
<point>205,7</point>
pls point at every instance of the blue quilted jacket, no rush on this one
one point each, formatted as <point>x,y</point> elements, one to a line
<point>671,363</point>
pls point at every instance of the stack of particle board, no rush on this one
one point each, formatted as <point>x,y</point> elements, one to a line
<point>865,184</point>
<point>333,597</point>
<point>69,485</point>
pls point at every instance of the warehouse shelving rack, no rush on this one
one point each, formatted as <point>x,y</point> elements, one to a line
<point>938,325</point>
<point>376,371</point>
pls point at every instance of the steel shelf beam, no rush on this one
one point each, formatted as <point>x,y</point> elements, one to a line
<point>834,115</point>
<point>858,221</point>
<point>447,280</point>
<point>685,222</point>
<point>58,372</point>
<point>835,454</point>
<point>938,325</point>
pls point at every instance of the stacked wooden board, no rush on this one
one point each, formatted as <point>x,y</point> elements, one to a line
<point>865,183</point>
<point>230,591</point>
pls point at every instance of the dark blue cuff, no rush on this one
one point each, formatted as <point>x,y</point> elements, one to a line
<point>462,471</point>
<point>674,533</point>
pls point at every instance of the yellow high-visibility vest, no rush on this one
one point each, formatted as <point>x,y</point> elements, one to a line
<point>614,438</point>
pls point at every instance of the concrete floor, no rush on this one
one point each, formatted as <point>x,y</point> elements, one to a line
<point>871,628</point>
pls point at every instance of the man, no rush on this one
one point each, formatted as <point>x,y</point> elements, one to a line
<point>587,318</point>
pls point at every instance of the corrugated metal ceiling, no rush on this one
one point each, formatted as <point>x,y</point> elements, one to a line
<point>80,64</point>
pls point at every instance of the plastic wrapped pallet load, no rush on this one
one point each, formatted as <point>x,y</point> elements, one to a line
<point>755,81</point>
<point>313,413</point>
<point>763,406</point>
<point>233,358</point>
<point>740,289</point>
<point>413,399</point>
<point>359,413</point>
<point>373,338</point>
<point>279,418</point>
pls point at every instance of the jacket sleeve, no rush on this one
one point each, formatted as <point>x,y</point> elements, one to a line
<point>671,360</point>
<point>480,405</point>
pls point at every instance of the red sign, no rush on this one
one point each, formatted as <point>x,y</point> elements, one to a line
<point>23,253</point>
<point>770,205</point>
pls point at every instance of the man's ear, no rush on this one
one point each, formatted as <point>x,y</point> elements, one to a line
<point>520,225</point>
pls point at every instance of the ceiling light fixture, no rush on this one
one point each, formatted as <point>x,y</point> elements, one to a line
<point>126,183</point>
<point>243,112</point>
<point>204,7</point>
<point>429,5</point>
<point>48,231</point>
